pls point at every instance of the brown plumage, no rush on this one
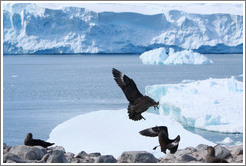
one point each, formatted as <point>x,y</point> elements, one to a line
<point>138,103</point>
<point>210,157</point>
<point>29,141</point>
<point>165,142</point>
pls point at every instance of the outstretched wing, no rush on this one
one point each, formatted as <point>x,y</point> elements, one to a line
<point>154,131</point>
<point>127,85</point>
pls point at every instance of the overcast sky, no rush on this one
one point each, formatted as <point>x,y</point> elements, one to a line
<point>232,7</point>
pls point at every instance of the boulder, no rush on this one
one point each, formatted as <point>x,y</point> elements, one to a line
<point>201,147</point>
<point>69,156</point>
<point>105,159</point>
<point>221,152</point>
<point>82,155</point>
<point>28,152</point>
<point>94,154</point>
<point>57,156</point>
<point>13,158</point>
<point>6,148</point>
<point>188,158</point>
<point>137,157</point>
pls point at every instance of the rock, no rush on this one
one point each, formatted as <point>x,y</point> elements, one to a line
<point>60,148</point>
<point>191,149</point>
<point>221,152</point>
<point>168,158</point>
<point>137,157</point>
<point>239,151</point>
<point>69,156</point>
<point>6,148</point>
<point>44,159</point>
<point>28,152</point>
<point>82,155</point>
<point>13,158</point>
<point>94,154</point>
<point>188,158</point>
<point>105,159</point>
<point>57,156</point>
<point>201,147</point>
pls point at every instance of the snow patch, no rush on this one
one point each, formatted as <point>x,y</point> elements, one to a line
<point>112,132</point>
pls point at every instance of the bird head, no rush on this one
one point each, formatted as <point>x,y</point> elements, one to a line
<point>29,136</point>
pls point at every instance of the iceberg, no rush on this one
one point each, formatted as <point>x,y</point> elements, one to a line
<point>31,29</point>
<point>161,56</point>
<point>212,104</point>
<point>111,132</point>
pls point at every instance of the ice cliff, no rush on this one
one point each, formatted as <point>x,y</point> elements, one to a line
<point>29,29</point>
<point>212,104</point>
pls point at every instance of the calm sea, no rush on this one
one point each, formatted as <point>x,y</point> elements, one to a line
<point>40,92</point>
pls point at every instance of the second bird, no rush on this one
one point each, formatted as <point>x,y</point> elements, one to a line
<point>165,142</point>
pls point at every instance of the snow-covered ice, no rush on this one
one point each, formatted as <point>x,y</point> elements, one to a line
<point>112,132</point>
<point>30,28</point>
<point>212,104</point>
<point>161,56</point>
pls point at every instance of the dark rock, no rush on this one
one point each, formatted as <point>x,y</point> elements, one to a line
<point>188,158</point>
<point>221,152</point>
<point>13,158</point>
<point>6,148</point>
<point>57,156</point>
<point>137,157</point>
<point>106,159</point>
<point>82,155</point>
<point>28,152</point>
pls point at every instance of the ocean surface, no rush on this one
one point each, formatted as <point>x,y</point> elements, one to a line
<point>42,91</point>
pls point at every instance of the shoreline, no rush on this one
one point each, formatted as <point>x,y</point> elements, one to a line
<point>58,154</point>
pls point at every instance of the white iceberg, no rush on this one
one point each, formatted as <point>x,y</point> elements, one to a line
<point>212,104</point>
<point>112,132</point>
<point>160,56</point>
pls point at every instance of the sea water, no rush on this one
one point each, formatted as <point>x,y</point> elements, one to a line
<point>42,91</point>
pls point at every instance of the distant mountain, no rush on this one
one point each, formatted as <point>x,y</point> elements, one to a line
<point>29,29</point>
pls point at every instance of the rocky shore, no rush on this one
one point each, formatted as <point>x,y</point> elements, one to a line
<point>57,154</point>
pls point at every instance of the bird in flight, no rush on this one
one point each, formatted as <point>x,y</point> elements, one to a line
<point>29,141</point>
<point>137,102</point>
<point>165,142</point>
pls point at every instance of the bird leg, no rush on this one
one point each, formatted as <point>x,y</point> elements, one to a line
<point>156,107</point>
<point>155,147</point>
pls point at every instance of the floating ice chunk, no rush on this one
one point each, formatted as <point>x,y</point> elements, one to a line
<point>208,104</point>
<point>160,56</point>
<point>111,132</point>
<point>155,56</point>
<point>227,141</point>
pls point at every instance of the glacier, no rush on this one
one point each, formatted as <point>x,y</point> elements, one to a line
<point>31,29</point>
<point>206,104</point>
<point>110,132</point>
<point>161,56</point>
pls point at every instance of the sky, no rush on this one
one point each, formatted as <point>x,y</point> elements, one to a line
<point>231,7</point>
